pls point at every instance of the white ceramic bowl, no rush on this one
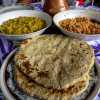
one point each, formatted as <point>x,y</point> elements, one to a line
<point>15,7</point>
<point>15,14</point>
<point>76,13</point>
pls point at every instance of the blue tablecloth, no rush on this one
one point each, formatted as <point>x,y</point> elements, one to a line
<point>7,46</point>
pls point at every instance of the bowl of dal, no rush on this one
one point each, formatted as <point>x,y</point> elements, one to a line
<point>23,24</point>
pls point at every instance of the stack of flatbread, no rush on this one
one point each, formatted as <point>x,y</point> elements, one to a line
<point>53,67</point>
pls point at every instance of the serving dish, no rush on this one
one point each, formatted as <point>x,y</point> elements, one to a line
<point>77,13</point>
<point>4,9</point>
<point>11,92</point>
<point>15,14</point>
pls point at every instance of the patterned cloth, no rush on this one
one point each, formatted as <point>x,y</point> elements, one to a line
<point>6,47</point>
<point>96,46</point>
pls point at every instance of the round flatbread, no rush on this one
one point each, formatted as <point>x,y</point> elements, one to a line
<point>55,61</point>
<point>33,89</point>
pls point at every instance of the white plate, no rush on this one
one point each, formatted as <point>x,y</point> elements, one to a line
<point>15,14</point>
<point>76,13</point>
<point>9,95</point>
